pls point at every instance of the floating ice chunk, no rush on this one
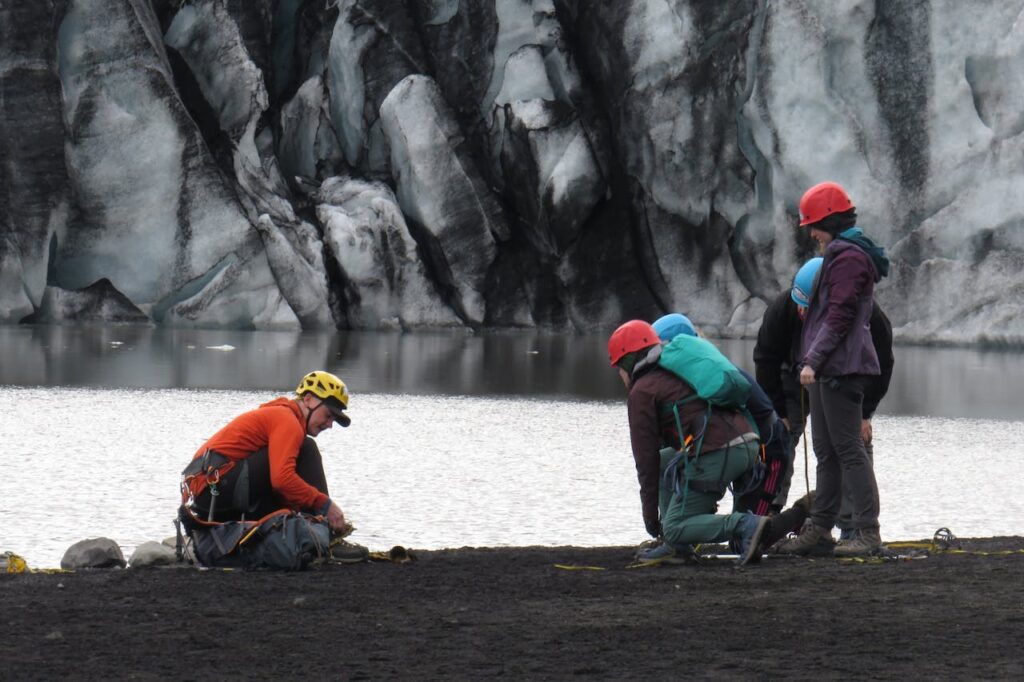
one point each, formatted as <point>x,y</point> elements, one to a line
<point>223,347</point>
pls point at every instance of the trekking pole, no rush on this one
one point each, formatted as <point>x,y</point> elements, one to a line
<point>807,475</point>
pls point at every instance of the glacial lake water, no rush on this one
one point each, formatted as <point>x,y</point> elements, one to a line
<point>496,439</point>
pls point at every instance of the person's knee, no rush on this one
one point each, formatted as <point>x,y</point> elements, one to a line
<point>309,447</point>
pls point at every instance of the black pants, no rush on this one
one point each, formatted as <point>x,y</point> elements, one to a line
<point>245,491</point>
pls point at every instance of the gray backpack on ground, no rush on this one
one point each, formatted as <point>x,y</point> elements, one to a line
<point>285,540</point>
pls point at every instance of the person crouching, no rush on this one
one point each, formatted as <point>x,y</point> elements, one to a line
<point>634,350</point>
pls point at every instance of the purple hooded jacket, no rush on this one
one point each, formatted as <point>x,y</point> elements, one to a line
<point>836,338</point>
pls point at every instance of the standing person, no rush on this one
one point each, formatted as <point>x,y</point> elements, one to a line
<point>266,459</point>
<point>837,361</point>
<point>728,449</point>
<point>881,339</point>
<point>777,354</point>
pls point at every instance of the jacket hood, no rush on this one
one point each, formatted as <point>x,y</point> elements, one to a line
<point>647,361</point>
<point>876,253</point>
<point>285,402</point>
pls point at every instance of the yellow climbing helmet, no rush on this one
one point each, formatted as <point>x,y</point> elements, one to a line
<point>331,389</point>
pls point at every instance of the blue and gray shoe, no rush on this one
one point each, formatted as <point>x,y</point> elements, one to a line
<point>749,533</point>
<point>663,553</point>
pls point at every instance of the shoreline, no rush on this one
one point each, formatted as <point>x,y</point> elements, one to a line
<point>473,613</point>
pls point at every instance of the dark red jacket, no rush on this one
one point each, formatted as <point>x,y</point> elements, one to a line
<point>651,428</point>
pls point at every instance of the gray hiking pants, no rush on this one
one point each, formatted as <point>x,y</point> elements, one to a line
<point>795,415</point>
<point>845,519</point>
<point>842,457</point>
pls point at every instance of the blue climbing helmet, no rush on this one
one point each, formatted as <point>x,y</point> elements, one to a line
<point>803,283</point>
<point>672,325</point>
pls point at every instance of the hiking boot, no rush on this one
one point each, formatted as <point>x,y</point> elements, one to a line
<point>789,520</point>
<point>805,503</point>
<point>865,542</point>
<point>749,534</point>
<point>813,540</point>
<point>662,553</point>
<point>344,552</point>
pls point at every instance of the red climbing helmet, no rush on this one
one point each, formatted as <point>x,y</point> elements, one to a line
<point>632,336</point>
<point>823,200</point>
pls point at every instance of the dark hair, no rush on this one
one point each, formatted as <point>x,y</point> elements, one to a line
<point>836,222</point>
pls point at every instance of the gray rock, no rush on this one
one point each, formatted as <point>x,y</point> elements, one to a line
<point>150,554</point>
<point>93,553</point>
<point>188,556</point>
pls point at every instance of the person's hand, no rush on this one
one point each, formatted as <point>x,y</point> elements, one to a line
<point>865,431</point>
<point>336,520</point>
<point>807,376</point>
<point>653,527</point>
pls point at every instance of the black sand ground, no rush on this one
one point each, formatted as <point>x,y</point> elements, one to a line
<point>478,614</point>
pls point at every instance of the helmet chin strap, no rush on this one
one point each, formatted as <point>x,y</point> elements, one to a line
<point>310,411</point>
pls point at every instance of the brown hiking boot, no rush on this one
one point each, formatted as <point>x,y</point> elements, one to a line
<point>813,540</point>
<point>865,542</point>
<point>805,503</point>
<point>789,520</point>
<point>343,551</point>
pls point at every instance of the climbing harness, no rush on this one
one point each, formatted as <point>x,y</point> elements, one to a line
<point>284,539</point>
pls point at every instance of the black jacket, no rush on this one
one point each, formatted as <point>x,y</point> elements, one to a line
<point>777,353</point>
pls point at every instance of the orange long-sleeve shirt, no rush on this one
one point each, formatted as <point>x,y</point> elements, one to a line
<point>278,426</point>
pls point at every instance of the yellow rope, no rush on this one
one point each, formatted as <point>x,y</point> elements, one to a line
<point>570,567</point>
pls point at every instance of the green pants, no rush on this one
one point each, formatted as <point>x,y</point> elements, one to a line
<point>690,518</point>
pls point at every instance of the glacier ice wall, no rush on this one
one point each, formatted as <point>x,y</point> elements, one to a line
<point>557,163</point>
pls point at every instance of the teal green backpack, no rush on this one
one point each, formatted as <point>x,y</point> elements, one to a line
<point>697,362</point>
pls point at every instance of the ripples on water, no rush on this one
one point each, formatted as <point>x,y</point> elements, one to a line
<point>433,471</point>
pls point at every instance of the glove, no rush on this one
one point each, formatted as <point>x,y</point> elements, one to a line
<point>653,527</point>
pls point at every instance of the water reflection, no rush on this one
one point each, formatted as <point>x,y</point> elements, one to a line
<point>926,381</point>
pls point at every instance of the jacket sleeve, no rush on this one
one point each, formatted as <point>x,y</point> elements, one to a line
<point>759,407</point>
<point>285,438</point>
<point>645,438</point>
<point>846,277</point>
<point>771,352</point>
<point>881,337</point>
